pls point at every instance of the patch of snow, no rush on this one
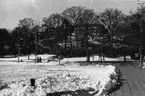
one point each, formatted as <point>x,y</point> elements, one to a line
<point>96,77</point>
<point>25,58</point>
<point>143,65</point>
<point>74,59</point>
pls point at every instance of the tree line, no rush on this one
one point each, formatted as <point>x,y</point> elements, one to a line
<point>78,31</point>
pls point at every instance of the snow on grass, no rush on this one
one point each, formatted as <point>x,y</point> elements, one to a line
<point>84,78</point>
<point>95,58</point>
<point>45,57</point>
<point>70,78</point>
<point>25,58</point>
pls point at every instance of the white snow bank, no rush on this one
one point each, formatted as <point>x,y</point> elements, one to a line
<point>98,78</point>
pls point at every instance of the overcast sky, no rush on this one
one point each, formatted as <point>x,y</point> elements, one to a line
<point>13,10</point>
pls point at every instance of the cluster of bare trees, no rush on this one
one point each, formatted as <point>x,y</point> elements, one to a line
<point>82,30</point>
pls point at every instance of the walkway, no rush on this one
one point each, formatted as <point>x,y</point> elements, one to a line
<point>133,82</point>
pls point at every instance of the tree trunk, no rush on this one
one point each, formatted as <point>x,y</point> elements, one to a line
<point>18,52</point>
<point>70,41</point>
<point>65,43</point>
<point>15,55</point>
<point>76,37</point>
<point>59,62</point>
<point>36,47</point>
<point>141,47</point>
<point>124,58</point>
<point>103,57</point>
<point>28,56</point>
<point>102,54</point>
<point>29,52</point>
<point>111,44</point>
<point>28,46</point>
<point>110,39</point>
<point>56,50</point>
<point>2,49</point>
<point>83,43</point>
<point>65,47</point>
<point>141,56</point>
<point>70,46</point>
<point>88,55</point>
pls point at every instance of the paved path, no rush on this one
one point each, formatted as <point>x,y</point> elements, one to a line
<point>133,82</point>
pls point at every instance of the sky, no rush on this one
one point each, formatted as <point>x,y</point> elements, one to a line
<point>11,11</point>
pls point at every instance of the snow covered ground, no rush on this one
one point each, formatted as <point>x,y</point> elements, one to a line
<point>97,78</point>
<point>45,58</point>
<point>18,76</point>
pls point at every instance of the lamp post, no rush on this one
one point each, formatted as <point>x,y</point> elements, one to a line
<point>141,31</point>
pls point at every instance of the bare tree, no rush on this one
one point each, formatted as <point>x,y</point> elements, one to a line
<point>26,26</point>
<point>54,22</point>
<point>110,18</point>
<point>74,13</point>
<point>88,18</point>
<point>138,27</point>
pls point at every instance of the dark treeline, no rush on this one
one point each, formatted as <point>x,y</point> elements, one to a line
<point>78,31</point>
